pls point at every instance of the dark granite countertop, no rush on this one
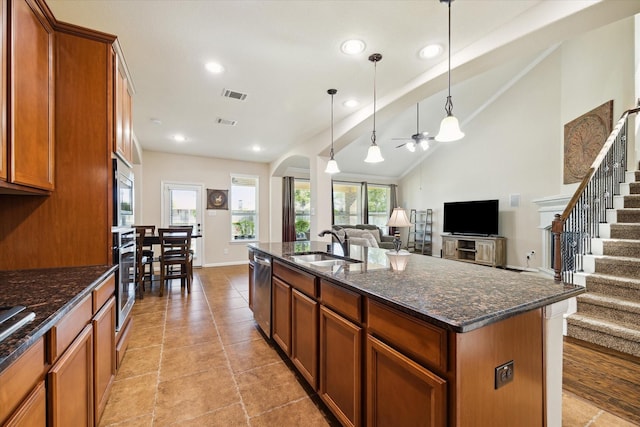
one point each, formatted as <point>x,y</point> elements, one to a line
<point>50,293</point>
<point>454,295</point>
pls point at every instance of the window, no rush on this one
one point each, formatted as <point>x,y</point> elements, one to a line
<point>347,203</point>
<point>379,197</point>
<point>303,208</point>
<point>244,207</point>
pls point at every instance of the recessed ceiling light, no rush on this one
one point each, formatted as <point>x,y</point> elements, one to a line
<point>350,103</point>
<point>179,138</point>
<point>431,51</point>
<point>256,148</point>
<point>214,67</point>
<point>352,47</point>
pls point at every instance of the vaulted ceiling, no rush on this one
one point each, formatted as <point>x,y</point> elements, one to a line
<point>285,54</point>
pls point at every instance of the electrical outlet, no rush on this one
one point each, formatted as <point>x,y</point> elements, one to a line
<point>504,374</point>
<point>530,254</point>
<point>225,251</point>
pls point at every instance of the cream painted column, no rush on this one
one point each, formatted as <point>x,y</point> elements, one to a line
<point>320,198</point>
<point>553,343</point>
<point>275,209</point>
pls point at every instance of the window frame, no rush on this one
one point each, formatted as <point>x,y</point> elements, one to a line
<point>235,238</point>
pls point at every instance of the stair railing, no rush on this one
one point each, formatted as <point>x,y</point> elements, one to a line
<point>579,222</point>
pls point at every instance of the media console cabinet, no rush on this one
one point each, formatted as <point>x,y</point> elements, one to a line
<point>475,249</point>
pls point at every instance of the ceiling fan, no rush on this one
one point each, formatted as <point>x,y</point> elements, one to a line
<point>419,139</point>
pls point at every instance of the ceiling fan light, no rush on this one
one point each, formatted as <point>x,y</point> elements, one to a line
<point>332,167</point>
<point>449,130</point>
<point>374,155</point>
<point>424,145</point>
<point>411,146</point>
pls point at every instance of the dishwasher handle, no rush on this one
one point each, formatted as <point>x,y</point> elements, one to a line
<point>262,260</point>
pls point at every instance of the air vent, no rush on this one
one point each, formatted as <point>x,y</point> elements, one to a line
<point>233,94</point>
<point>226,122</point>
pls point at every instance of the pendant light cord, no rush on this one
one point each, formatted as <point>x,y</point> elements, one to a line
<point>374,58</point>
<point>331,92</point>
<point>448,106</point>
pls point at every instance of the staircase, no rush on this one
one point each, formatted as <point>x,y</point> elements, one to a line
<point>608,314</point>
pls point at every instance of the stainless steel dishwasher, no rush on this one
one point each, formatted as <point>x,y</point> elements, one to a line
<point>262,291</point>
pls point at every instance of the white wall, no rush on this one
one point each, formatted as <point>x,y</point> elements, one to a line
<point>515,145</point>
<point>211,173</point>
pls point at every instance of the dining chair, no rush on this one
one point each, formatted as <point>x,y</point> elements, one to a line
<point>175,257</point>
<point>147,253</point>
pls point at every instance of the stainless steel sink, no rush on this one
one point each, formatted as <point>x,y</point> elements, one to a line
<point>322,259</point>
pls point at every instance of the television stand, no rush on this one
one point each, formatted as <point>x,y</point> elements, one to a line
<point>486,250</point>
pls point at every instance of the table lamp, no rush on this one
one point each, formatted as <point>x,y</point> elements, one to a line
<point>398,219</point>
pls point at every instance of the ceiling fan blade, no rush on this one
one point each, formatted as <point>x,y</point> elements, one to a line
<point>401,145</point>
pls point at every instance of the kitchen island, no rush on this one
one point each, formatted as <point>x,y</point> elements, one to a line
<point>439,343</point>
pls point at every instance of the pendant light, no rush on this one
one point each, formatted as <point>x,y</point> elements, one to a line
<point>449,127</point>
<point>332,165</point>
<point>374,155</point>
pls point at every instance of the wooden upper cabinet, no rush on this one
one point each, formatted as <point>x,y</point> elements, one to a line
<point>123,143</point>
<point>31,118</point>
<point>3,91</point>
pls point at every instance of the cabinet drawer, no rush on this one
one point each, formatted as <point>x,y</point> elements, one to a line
<point>67,329</point>
<point>425,343</point>
<point>343,301</point>
<point>103,292</point>
<point>20,377</point>
<point>298,279</point>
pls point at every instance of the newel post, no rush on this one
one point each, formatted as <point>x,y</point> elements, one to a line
<point>556,230</point>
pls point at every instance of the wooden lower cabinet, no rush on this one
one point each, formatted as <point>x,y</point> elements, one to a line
<point>33,411</point>
<point>104,323</point>
<point>341,367</point>
<point>281,315</point>
<point>71,384</point>
<point>400,392</point>
<point>304,336</point>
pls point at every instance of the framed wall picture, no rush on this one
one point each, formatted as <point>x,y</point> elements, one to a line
<point>217,199</point>
<point>583,140</point>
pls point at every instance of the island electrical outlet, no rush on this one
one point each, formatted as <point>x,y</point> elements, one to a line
<point>504,374</point>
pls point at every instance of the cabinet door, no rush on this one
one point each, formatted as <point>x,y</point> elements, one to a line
<point>122,113</point>
<point>3,90</point>
<point>281,309</point>
<point>421,401</point>
<point>33,411</point>
<point>304,336</point>
<point>71,384</point>
<point>448,248</point>
<point>341,367</point>
<point>32,97</point>
<point>104,338</point>
<point>485,252</point>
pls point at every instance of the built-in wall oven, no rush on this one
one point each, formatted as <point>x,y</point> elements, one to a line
<point>124,255</point>
<point>122,194</point>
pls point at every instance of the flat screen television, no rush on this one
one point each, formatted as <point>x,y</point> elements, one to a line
<point>478,217</point>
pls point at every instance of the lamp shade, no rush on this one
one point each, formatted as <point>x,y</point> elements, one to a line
<point>399,218</point>
<point>449,130</point>
<point>332,167</point>
<point>374,155</point>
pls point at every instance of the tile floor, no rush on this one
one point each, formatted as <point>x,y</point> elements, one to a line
<point>198,360</point>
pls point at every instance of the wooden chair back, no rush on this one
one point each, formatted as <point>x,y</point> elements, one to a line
<point>175,255</point>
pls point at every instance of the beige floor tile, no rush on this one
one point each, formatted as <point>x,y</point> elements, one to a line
<point>225,303</point>
<point>142,421</point>
<point>194,333</point>
<point>576,412</point>
<point>238,332</point>
<point>230,416</point>
<point>251,354</point>
<point>610,420</point>
<point>150,318</point>
<point>140,361</point>
<point>300,413</point>
<point>194,395</point>
<point>234,315</point>
<point>179,316</point>
<point>130,398</point>
<point>145,335</point>
<point>268,387</point>
<point>181,361</point>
